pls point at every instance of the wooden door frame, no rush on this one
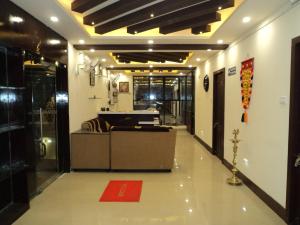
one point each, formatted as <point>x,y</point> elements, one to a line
<point>290,194</point>
<point>221,72</point>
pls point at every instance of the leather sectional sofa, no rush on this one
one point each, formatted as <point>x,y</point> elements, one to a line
<point>123,148</point>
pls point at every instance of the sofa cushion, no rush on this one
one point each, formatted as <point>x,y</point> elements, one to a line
<point>141,128</point>
<point>96,125</point>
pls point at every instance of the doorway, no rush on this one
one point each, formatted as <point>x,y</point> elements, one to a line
<point>41,119</point>
<point>218,113</point>
<point>293,181</point>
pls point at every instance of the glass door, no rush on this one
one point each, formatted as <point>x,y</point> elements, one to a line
<point>41,124</point>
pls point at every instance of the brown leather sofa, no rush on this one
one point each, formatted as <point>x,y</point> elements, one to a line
<point>142,149</point>
<point>123,148</point>
<point>90,146</point>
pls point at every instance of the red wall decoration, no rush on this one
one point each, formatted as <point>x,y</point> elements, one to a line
<point>247,72</point>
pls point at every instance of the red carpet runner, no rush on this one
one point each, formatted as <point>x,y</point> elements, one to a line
<point>122,191</point>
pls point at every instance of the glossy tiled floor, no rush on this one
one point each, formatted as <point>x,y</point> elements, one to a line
<point>195,193</point>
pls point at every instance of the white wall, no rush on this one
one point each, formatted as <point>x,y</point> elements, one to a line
<point>263,151</point>
<point>81,108</point>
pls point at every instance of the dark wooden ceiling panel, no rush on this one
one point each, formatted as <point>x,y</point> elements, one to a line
<point>195,22</point>
<point>151,56</point>
<point>82,6</point>
<point>158,9</point>
<point>178,47</point>
<point>114,10</point>
<point>181,15</point>
<point>201,29</point>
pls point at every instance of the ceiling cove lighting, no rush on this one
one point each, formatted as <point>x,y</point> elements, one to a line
<point>81,41</point>
<point>53,42</point>
<point>16,19</point>
<point>246,19</point>
<point>54,19</point>
<point>220,41</point>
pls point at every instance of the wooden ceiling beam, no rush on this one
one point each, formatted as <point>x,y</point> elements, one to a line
<point>153,56</point>
<point>158,9</point>
<point>114,10</point>
<point>188,13</point>
<point>157,47</point>
<point>82,6</point>
<point>195,22</point>
<point>201,29</point>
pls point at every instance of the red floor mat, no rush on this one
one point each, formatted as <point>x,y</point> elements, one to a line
<point>122,191</point>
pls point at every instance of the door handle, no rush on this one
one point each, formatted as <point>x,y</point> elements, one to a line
<point>297,162</point>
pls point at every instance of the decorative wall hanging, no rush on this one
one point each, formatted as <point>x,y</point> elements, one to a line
<point>247,73</point>
<point>206,83</point>
<point>123,87</point>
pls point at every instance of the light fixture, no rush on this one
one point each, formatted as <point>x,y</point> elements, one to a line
<point>150,42</point>
<point>65,50</point>
<point>190,210</point>
<point>220,41</point>
<point>180,73</point>
<point>56,63</point>
<point>42,58</point>
<point>54,19</point>
<point>103,59</point>
<point>198,59</point>
<point>53,42</point>
<point>220,7</point>
<point>246,19</point>
<point>190,66</point>
<point>209,50</point>
<point>16,19</point>
<point>151,73</point>
<point>150,50</point>
<point>186,200</point>
<point>111,66</point>
<point>92,50</point>
<point>151,66</point>
<point>200,32</point>
<point>81,41</point>
<point>93,23</point>
<point>135,32</point>
<point>180,59</point>
<point>181,185</point>
<point>151,15</point>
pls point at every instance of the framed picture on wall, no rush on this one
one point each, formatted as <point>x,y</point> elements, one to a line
<point>123,87</point>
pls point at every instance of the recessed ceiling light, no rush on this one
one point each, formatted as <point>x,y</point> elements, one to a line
<point>56,63</point>
<point>150,50</point>
<point>111,66</point>
<point>16,19</point>
<point>198,59</point>
<point>135,32</point>
<point>65,50</point>
<point>180,59</point>
<point>246,19</point>
<point>151,15</point>
<point>151,73</point>
<point>54,19</point>
<point>92,50</point>
<point>93,23</point>
<point>42,58</point>
<point>180,73</point>
<point>81,41</point>
<point>220,41</point>
<point>150,42</point>
<point>103,60</point>
<point>200,32</point>
<point>190,66</point>
<point>209,50</point>
<point>53,42</point>
<point>151,66</point>
<point>220,7</point>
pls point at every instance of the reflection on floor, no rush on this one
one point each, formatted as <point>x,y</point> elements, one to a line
<point>195,193</point>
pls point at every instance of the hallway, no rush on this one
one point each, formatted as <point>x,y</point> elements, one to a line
<point>194,193</point>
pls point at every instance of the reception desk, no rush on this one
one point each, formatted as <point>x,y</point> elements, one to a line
<point>133,118</point>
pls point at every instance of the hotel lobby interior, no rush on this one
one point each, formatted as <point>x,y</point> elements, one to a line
<point>177,112</point>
